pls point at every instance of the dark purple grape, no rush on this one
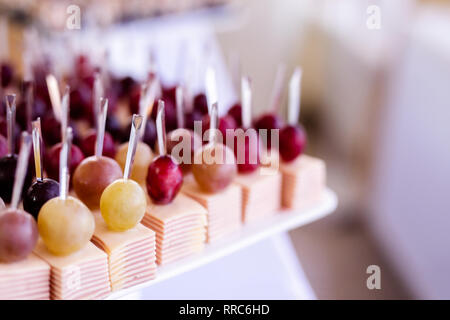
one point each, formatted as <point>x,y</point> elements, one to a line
<point>2,108</point>
<point>4,130</point>
<point>169,93</point>
<point>170,114</point>
<point>38,194</point>
<point>7,74</point>
<point>134,97</point>
<point>125,85</point>
<point>149,134</point>
<point>201,103</point>
<point>7,175</point>
<point>51,131</point>
<point>83,68</point>
<point>38,110</point>
<point>3,146</point>
<point>81,103</point>
<point>191,117</point>
<point>113,126</point>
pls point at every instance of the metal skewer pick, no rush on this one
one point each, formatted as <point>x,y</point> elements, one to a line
<point>161,128</point>
<point>211,88</point>
<point>65,112</point>
<point>64,160</point>
<point>55,96</point>
<point>246,103</point>
<point>214,120</point>
<point>21,169</point>
<point>10,121</point>
<point>136,124</point>
<point>179,103</point>
<point>294,97</point>
<point>36,133</point>
<point>278,87</point>
<point>101,127</point>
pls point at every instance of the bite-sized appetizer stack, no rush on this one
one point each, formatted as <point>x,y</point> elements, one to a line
<point>261,188</point>
<point>179,222</point>
<point>131,253</point>
<point>8,162</point>
<point>214,169</point>
<point>22,274</point>
<point>272,123</point>
<point>130,246</point>
<point>304,177</point>
<point>79,270</point>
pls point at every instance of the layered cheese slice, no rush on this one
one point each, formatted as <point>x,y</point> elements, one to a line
<point>261,194</point>
<point>180,228</point>
<point>28,279</point>
<point>224,209</point>
<point>131,254</point>
<point>81,275</point>
<point>303,182</point>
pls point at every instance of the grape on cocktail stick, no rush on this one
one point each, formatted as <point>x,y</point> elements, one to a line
<point>246,146</point>
<point>123,202</point>
<point>214,165</point>
<point>144,154</point>
<point>293,136</point>
<point>164,176</point>
<point>61,109</point>
<point>182,139</point>
<point>18,230</point>
<point>9,162</point>
<point>271,120</point>
<point>43,189</point>
<point>96,172</point>
<point>65,224</point>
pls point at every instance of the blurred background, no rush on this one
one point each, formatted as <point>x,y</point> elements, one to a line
<point>375,103</point>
